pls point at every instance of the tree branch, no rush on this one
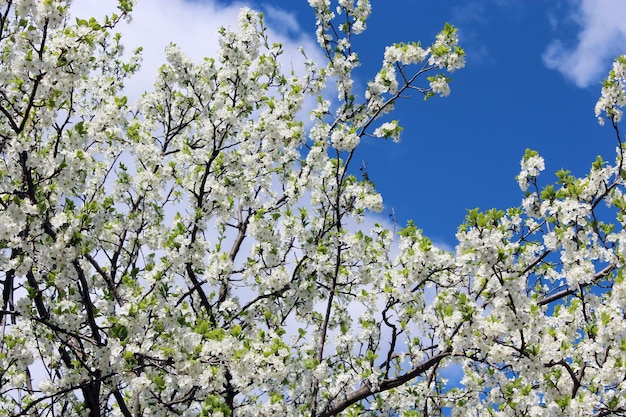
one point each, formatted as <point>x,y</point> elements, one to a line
<point>385,385</point>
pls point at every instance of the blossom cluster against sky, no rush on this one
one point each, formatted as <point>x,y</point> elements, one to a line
<point>533,74</point>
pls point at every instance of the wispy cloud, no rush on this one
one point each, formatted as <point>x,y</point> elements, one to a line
<point>473,16</point>
<point>283,18</point>
<point>601,38</point>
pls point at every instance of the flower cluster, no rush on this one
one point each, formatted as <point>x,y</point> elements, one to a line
<point>531,165</point>
<point>613,96</point>
<point>389,130</point>
<point>445,52</point>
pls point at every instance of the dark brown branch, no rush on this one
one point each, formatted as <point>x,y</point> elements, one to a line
<point>569,291</point>
<point>89,308</point>
<point>105,277</point>
<point>385,385</point>
<point>575,379</point>
<point>120,401</point>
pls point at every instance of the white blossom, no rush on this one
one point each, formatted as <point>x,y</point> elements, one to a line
<point>206,252</point>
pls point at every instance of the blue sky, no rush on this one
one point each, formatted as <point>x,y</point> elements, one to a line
<point>533,74</point>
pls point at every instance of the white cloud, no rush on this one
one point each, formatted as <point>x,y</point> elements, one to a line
<point>602,37</point>
<point>285,19</point>
<point>193,27</point>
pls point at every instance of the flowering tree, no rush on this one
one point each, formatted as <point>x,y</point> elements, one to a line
<point>199,253</point>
